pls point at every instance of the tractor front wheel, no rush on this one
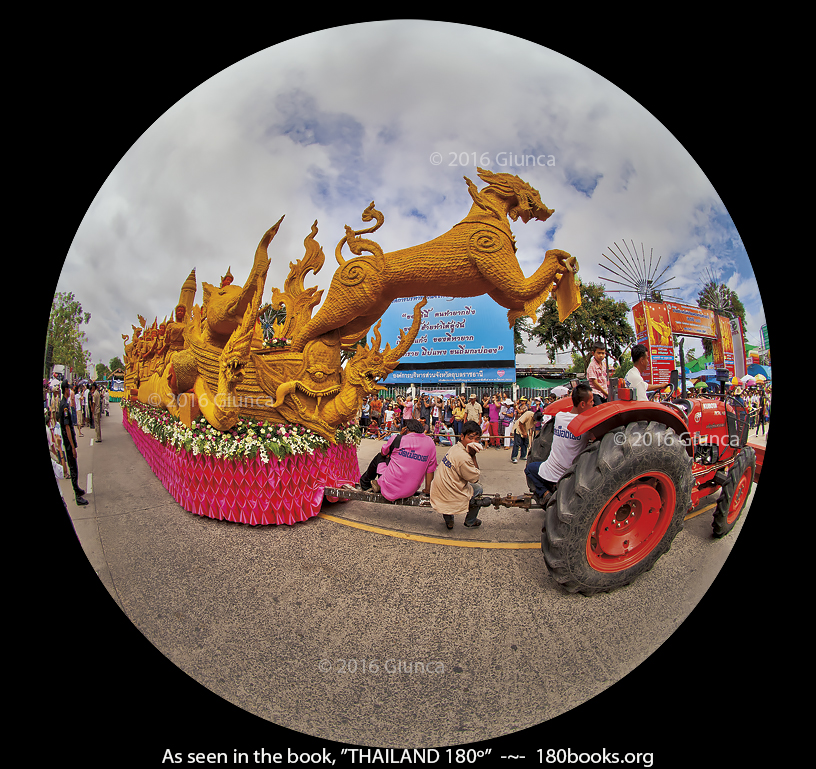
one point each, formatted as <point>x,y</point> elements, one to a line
<point>618,508</point>
<point>735,492</point>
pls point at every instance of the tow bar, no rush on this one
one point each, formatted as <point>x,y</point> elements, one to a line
<point>524,501</point>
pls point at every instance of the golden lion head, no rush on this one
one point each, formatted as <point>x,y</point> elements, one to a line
<point>528,203</point>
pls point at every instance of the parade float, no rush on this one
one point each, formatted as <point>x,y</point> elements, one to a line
<point>246,411</point>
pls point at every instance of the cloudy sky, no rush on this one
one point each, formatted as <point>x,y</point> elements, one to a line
<point>395,112</point>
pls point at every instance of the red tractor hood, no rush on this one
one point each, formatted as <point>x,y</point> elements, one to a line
<point>605,417</point>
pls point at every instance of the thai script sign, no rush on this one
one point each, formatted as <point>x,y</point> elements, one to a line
<point>653,329</point>
<point>657,323</point>
<point>686,319</point>
<point>723,346</point>
<point>460,340</point>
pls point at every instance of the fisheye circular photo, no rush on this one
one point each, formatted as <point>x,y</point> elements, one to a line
<point>407,385</point>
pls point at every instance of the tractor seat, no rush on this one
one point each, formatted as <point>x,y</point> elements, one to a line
<point>682,403</point>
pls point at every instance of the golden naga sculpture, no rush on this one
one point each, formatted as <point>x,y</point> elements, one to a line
<point>476,256</point>
<point>226,372</point>
<point>235,360</point>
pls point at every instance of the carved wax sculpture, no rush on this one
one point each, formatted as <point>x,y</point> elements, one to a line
<point>226,371</point>
<point>225,366</point>
<point>476,256</point>
<point>217,339</point>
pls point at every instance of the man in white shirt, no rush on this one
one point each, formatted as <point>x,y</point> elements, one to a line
<point>565,446</point>
<point>634,377</point>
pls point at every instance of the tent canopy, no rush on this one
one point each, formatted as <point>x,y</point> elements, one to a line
<point>534,383</point>
<point>756,368</point>
<point>700,363</point>
<point>531,381</point>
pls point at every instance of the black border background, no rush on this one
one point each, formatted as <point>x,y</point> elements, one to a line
<point>94,686</point>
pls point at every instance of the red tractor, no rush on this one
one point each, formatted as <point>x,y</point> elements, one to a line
<point>624,500</point>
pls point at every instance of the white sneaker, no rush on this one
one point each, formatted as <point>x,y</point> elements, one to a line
<point>514,461</point>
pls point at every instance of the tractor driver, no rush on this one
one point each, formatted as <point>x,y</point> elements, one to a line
<point>543,476</point>
<point>634,377</point>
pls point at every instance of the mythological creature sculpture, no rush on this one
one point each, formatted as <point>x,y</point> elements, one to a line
<point>225,371</point>
<point>297,400</point>
<point>476,256</point>
<point>217,336</point>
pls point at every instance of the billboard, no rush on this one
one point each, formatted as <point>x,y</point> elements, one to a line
<point>656,323</point>
<point>688,320</point>
<point>461,339</point>
<point>724,346</point>
<point>740,362</point>
<point>653,329</point>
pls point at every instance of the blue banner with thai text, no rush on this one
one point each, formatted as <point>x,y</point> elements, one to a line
<point>409,376</point>
<point>457,341</point>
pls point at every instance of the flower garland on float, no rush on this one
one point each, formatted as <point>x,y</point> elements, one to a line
<point>248,439</point>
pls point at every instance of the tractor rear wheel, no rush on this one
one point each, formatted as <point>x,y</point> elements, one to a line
<point>735,492</point>
<point>618,508</point>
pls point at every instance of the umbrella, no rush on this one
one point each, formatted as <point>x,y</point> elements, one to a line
<point>735,381</point>
<point>559,391</point>
<point>760,378</point>
<point>700,384</point>
<point>748,380</point>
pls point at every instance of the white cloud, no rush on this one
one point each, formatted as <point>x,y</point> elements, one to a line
<point>317,127</point>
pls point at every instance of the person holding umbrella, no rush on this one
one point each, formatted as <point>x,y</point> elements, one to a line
<point>750,397</point>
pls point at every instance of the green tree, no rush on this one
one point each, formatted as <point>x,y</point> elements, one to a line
<point>348,354</point>
<point>116,363</point>
<point>690,355</point>
<point>624,364</point>
<point>65,335</point>
<point>521,325</point>
<point>718,297</point>
<point>598,317</point>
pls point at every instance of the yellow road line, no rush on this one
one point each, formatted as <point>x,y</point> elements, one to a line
<point>700,512</point>
<point>456,542</point>
<point>432,540</point>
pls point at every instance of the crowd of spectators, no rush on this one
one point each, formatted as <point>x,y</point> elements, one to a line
<point>67,409</point>
<point>501,418</point>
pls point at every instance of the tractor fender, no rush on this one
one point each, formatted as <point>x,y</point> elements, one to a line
<point>562,404</point>
<point>607,416</point>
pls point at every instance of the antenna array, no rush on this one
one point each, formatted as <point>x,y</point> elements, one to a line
<point>638,277</point>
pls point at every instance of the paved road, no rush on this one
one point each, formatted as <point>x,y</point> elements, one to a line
<point>359,637</point>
